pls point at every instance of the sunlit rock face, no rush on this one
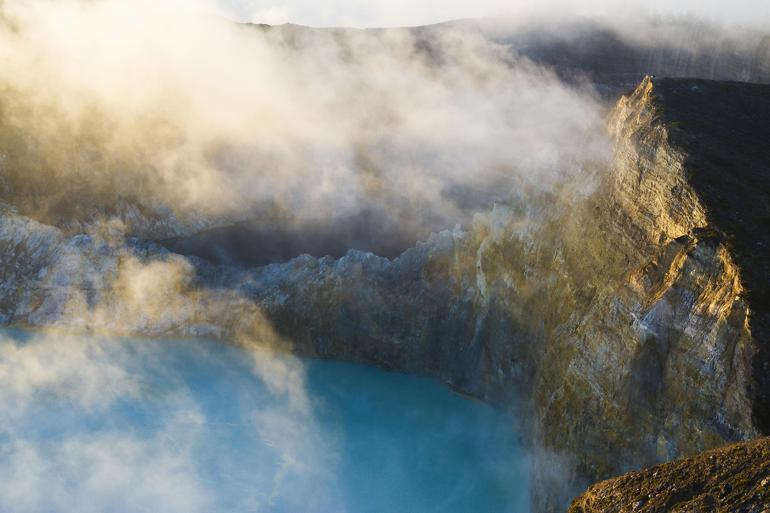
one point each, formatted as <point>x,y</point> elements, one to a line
<point>625,320</point>
<point>659,352</point>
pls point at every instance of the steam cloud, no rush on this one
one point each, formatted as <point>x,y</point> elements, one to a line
<point>96,424</point>
<point>105,456</point>
<point>180,112</point>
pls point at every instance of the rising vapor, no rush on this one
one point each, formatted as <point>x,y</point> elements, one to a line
<point>167,110</point>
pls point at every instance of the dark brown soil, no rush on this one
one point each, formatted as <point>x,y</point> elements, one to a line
<point>734,478</point>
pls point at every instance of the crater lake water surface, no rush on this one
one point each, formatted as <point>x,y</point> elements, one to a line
<point>128,425</point>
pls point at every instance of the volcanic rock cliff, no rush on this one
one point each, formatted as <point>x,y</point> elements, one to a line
<point>628,322</point>
<point>626,319</point>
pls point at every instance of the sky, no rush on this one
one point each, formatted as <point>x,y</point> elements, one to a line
<point>379,13</point>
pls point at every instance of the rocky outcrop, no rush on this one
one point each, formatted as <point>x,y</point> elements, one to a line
<point>732,478</point>
<point>626,323</point>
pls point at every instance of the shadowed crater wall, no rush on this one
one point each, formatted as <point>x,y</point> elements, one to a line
<point>267,241</point>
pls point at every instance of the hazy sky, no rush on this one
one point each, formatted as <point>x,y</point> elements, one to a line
<point>414,12</point>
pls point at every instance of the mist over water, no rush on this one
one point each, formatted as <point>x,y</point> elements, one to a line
<point>108,424</point>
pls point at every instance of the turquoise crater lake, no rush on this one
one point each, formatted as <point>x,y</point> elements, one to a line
<point>129,425</point>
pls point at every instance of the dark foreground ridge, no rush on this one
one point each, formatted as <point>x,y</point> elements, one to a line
<point>735,478</point>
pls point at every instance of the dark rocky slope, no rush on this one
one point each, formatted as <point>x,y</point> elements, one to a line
<point>733,478</point>
<point>616,56</point>
<point>613,55</point>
